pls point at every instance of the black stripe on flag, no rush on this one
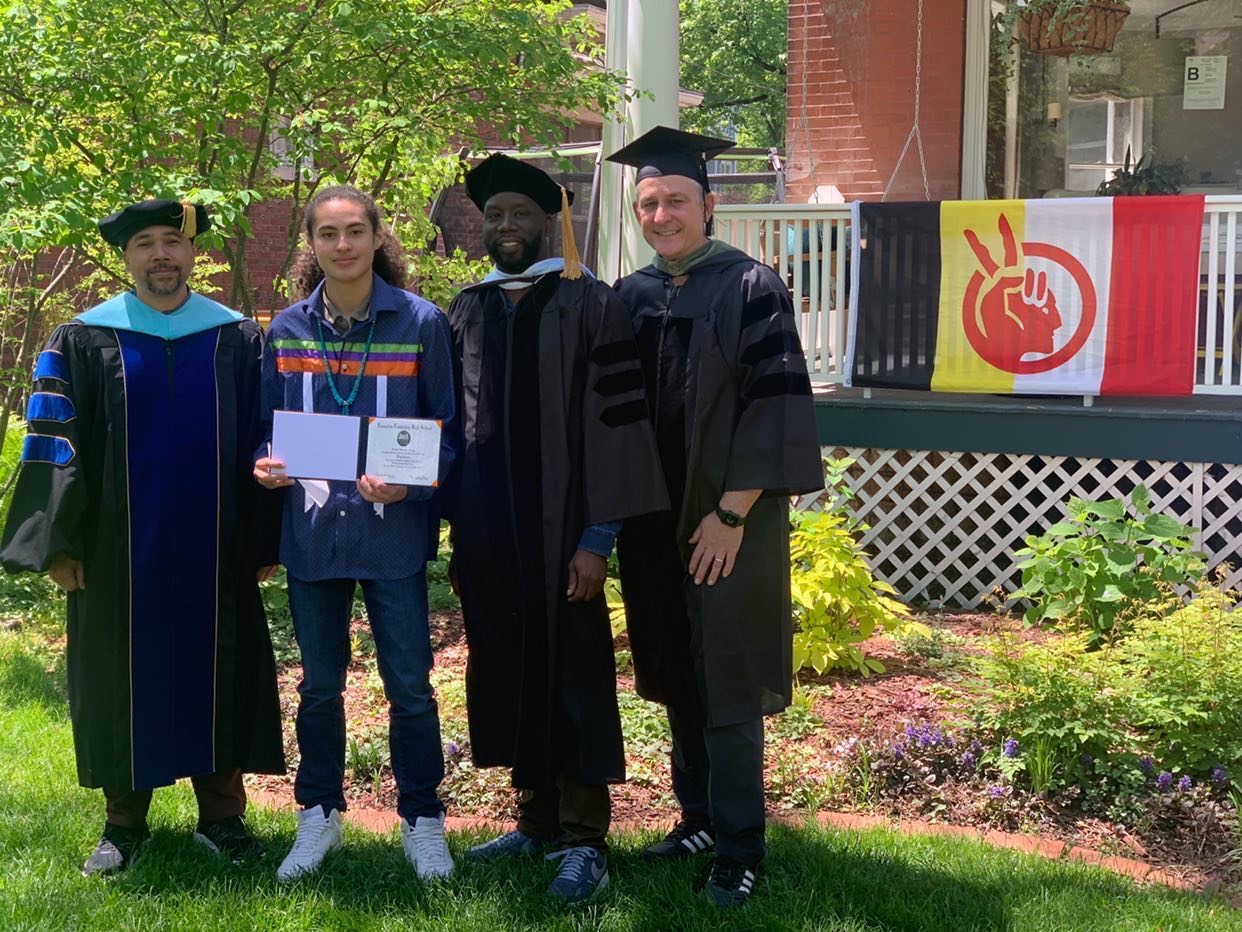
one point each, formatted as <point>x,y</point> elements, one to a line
<point>898,295</point>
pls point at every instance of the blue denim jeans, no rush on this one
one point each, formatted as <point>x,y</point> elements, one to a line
<point>397,610</point>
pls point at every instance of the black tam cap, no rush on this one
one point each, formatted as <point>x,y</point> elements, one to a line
<point>499,173</point>
<point>190,219</point>
<point>668,151</point>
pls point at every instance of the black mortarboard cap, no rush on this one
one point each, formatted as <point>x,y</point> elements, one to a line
<point>191,219</point>
<point>668,151</point>
<point>500,173</point>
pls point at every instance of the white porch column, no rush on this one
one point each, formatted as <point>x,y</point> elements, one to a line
<point>644,42</point>
<point>975,100</point>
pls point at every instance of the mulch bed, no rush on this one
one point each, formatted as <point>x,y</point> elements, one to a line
<point>873,709</point>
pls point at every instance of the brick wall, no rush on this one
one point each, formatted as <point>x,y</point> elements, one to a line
<point>461,223</point>
<point>265,254</point>
<point>858,58</point>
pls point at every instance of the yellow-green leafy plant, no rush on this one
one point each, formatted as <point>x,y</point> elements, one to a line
<point>837,602</point>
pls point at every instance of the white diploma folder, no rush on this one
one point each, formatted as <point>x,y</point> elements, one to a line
<point>316,446</point>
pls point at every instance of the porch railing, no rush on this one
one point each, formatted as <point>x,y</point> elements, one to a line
<point>808,245</point>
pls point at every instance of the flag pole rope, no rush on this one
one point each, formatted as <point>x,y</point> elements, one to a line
<point>916,135</point>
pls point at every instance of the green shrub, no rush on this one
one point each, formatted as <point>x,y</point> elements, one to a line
<point>1166,698</point>
<point>1056,696</point>
<point>837,603</point>
<point>1104,564</point>
<point>1184,674</point>
<point>935,644</point>
<point>10,462</point>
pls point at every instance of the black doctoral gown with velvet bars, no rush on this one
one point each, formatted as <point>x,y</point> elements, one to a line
<point>137,461</point>
<point>556,438</point>
<point>729,392</point>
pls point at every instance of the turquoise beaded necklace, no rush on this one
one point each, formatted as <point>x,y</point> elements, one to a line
<point>362,368</point>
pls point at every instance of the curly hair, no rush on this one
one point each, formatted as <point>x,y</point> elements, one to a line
<point>389,264</point>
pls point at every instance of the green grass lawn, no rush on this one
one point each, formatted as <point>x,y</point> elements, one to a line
<point>813,878</point>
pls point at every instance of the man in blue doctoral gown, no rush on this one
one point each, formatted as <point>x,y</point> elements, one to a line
<point>136,497</point>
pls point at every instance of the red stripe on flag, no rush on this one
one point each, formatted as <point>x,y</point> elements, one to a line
<point>1153,296</point>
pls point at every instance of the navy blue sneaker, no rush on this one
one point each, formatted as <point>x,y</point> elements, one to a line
<point>583,874</point>
<point>512,844</point>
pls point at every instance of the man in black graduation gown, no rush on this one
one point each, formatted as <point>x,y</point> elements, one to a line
<point>135,496</point>
<point>706,586</point>
<point>557,448</point>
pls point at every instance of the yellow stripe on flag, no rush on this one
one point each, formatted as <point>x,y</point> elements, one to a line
<point>959,368</point>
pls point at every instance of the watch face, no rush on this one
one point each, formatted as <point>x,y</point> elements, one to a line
<point>728,518</point>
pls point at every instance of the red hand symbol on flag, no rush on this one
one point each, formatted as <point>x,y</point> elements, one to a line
<point>1017,312</point>
<point>1011,311</point>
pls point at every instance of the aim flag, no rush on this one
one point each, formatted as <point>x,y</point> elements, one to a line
<point>1075,296</point>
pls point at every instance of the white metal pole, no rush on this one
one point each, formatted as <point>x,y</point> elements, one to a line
<point>644,34</point>
<point>612,201</point>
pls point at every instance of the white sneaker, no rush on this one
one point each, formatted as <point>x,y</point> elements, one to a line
<point>425,847</point>
<point>317,835</point>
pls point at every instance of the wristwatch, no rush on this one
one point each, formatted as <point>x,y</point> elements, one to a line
<point>729,518</point>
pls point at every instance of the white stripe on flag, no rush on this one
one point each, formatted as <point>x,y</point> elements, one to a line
<point>1083,227</point>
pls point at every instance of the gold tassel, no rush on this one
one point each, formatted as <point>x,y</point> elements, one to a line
<point>189,220</point>
<point>573,265</point>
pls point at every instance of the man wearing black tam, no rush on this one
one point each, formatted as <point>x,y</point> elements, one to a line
<point>135,496</point>
<point>706,586</point>
<point>558,449</point>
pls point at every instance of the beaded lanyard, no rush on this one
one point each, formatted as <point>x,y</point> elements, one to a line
<point>362,368</point>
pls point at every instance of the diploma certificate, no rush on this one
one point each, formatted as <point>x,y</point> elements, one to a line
<point>403,451</point>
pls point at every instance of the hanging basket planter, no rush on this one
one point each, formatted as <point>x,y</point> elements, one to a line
<point>1090,29</point>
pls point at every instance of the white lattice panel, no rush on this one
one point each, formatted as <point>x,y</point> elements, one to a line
<point>943,526</point>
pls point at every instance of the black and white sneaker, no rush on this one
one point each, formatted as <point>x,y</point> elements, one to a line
<point>729,883</point>
<point>683,841</point>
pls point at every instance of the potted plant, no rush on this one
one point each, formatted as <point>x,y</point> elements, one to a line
<point>1067,27</point>
<point>1144,177</point>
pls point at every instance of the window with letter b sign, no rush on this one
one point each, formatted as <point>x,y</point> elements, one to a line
<point>1203,85</point>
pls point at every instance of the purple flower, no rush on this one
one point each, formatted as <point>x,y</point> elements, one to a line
<point>1147,765</point>
<point>911,732</point>
<point>452,749</point>
<point>899,751</point>
<point>1087,761</point>
<point>929,736</point>
<point>1219,775</point>
<point>1164,782</point>
<point>976,747</point>
<point>996,792</point>
<point>968,761</point>
<point>1010,748</point>
<point>1184,784</point>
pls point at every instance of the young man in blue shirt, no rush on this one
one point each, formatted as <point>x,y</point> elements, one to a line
<point>357,344</point>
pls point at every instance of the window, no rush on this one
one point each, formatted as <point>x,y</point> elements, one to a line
<point>1099,133</point>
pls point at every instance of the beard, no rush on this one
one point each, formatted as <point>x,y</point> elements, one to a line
<point>164,291</point>
<point>530,252</point>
